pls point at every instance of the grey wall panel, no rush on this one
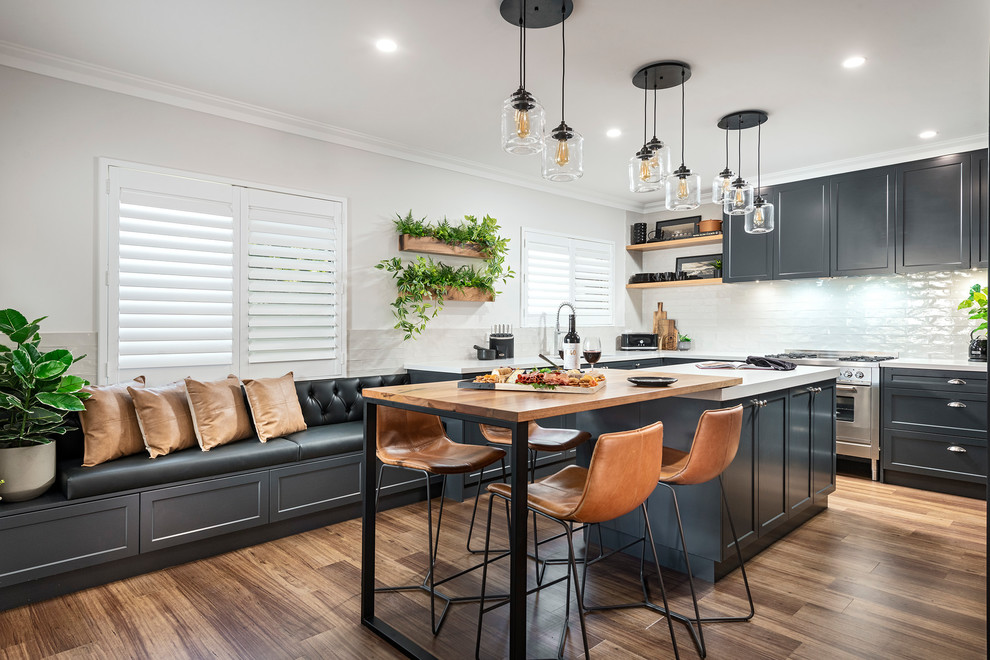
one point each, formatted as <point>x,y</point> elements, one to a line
<point>302,489</point>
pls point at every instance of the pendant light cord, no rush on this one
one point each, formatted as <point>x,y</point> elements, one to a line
<point>759,147</point>
<point>644,116</point>
<point>726,147</point>
<point>682,116</point>
<point>522,47</point>
<point>563,57</point>
<point>654,113</point>
<point>739,171</point>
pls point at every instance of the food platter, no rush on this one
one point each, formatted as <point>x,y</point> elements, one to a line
<point>538,380</point>
<point>514,387</point>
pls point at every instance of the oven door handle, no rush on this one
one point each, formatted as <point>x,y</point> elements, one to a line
<point>848,388</point>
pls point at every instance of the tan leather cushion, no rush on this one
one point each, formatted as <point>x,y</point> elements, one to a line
<point>218,411</point>
<point>163,413</point>
<point>109,423</point>
<point>274,406</point>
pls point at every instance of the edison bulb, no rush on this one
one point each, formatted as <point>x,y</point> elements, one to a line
<point>522,123</point>
<point>740,198</point>
<point>644,170</point>
<point>682,188</point>
<point>758,217</point>
<point>562,156</point>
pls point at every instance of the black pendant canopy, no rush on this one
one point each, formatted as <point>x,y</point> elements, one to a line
<point>539,13</point>
<point>739,121</point>
<point>661,75</point>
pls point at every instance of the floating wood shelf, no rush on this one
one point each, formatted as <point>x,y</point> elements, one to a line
<point>467,294</point>
<point>659,285</point>
<point>676,243</point>
<point>430,245</point>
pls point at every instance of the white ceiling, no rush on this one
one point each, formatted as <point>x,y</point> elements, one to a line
<point>310,66</point>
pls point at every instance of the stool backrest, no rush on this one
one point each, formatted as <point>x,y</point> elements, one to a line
<point>624,470</point>
<point>716,441</point>
<point>405,429</point>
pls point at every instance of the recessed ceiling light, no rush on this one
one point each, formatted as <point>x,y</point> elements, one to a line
<point>927,135</point>
<point>854,61</point>
<point>386,45</point>
<point>613,132</point>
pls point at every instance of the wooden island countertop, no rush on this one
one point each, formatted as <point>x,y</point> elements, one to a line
<point>511,406</point>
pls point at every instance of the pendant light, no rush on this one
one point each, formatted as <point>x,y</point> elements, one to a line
<point>724,178</point>
<point>563,148</point>
<point>682,186</point>
<point>523,119</point>
<point>738,199</point>
<point>661,154</point>
<point>645,173</point>
<point>760,221</point>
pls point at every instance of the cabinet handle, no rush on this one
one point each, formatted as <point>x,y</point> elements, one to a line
<point>956,404</point>
<point>956,381</point>
<point>956,449</point>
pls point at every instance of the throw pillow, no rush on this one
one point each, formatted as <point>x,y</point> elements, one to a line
<point>164,418</point>
<point>274,406</point>
<point>109,423</point>
<point>218,410</point>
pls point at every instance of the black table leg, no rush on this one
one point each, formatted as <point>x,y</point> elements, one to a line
<point>368,513</point>
<point>518,541</point>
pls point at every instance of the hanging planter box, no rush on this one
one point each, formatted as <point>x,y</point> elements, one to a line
<point>430,245</point>
<point>467,294</point>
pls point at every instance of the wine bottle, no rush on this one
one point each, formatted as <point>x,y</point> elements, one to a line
<point>572,346</point>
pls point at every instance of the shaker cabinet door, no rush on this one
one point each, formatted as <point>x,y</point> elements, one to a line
<point>861,222</point>
<point>932,208</point>
<point>800,238</point>
<point>980,205</point>
<point>745,257</point>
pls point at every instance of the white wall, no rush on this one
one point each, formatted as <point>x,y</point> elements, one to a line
<point>53,131</point>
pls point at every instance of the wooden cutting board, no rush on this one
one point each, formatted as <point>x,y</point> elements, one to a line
<point>665,329</point>
<point>515,387</point>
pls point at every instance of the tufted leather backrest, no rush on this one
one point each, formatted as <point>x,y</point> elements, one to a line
<point>336,400</point>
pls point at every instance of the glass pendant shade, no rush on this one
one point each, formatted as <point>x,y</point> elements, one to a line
<point>683,190</point>
<point>738,199</point>
<point>523,124</point>
<point>563,154</point>
<point>659,158</point>
<point>643,176</point>
<point>721,185</point>
<point>760,221</point>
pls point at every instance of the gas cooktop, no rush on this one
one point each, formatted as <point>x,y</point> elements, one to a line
<point>833,356</point>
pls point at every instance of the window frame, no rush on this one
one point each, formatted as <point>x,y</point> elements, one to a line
<point>105,276</point>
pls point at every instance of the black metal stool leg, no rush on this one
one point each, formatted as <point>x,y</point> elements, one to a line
<point>699,638</point>
<point>663,591</point>
<point>742,567</point>
<point>474,511</point>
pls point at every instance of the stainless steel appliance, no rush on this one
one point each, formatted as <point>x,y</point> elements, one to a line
<point>638,341</point>
<point>502,341</point>
<point>857,398</point>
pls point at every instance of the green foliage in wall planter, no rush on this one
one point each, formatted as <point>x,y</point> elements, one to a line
<point>422,284</point>
<point>976,303</point>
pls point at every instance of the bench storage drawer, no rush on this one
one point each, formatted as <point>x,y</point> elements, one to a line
<point>301,489</point>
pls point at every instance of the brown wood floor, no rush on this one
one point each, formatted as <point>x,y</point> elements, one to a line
<point>886,572</point>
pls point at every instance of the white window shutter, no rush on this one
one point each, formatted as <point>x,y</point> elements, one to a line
<point>171,276</point>
<point>560,269</point>
<point>293,291</point>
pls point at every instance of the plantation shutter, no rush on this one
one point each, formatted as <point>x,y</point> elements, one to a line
<point>293,283</point>
<point>559,269</point>
<point>171,276</point>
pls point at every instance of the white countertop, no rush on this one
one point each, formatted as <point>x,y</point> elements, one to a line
<point>922,363</point>
<point>755,381</point>
<point>473,365</point>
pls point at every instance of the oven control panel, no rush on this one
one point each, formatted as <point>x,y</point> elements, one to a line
<point>854,376</point>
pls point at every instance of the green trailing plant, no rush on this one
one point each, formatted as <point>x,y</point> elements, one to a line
<point>36,393</point>
<point>423,283</point>
<point>976,303</point>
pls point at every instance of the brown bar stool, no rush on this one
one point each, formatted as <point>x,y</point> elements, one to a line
<point>623,473</point>
<point>540,439</point>
<point>417,441</point>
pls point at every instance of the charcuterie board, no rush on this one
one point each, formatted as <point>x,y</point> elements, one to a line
<point>515,387</point>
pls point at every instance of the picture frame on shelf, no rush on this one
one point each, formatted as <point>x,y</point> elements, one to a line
<point>674,229</point>
<point>699,266</point>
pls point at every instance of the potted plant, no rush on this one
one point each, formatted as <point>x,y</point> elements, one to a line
<point>683,342</point>
<point>976,303</point>
<point>717,265</point>
<point>36,394</point>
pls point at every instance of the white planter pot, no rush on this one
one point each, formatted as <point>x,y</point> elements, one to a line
<point>27,471</point>
<point>683,345</point>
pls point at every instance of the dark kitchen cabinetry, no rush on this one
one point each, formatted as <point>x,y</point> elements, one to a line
<point>800,239</point>
<point>935,430</point>
<point>771,447</point>
<point>980,205</point>
<point>810,445</point>
<point>746,257</point>
<point>932,214</point>
<point>861,222</point>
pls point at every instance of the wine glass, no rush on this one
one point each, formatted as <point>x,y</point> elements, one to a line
<point>592,347</point>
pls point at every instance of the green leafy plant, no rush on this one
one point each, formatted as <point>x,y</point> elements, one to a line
<point>422,284</point>
<point>35,392</point>
<point>681,337</point>
<point>717,264</point>
<point>976,303</point>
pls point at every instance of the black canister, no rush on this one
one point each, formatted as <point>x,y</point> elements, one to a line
<point>637,233</point>
<point>977,348</point>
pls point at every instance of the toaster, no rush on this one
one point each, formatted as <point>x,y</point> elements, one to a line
<point>638,341</point>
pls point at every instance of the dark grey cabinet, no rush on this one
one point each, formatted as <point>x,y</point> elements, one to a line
<point>746,257</point>
<point>979,205</point>
<point>800,450</point>
<point>771,456</point>
<point>739,481</point>
<point>801,237</point>
<point>861,222</point>
<point>932,214</point>
<point>823,441</point>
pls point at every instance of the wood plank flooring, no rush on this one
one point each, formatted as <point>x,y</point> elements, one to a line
<point>886,572</point>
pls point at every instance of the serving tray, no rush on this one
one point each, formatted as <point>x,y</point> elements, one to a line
<point>515,387</point>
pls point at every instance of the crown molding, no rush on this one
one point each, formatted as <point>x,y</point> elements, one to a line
<point>92,75</point>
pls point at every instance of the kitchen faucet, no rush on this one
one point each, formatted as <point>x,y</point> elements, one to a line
<point>558,333</point>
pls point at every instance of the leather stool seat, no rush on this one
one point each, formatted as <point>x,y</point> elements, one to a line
<point>442,456</point>
<point>540,438</point>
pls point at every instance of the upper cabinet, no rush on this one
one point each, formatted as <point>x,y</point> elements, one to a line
<point>861,223</point>
<point>745,257</point>
<point>979,206</point>
<point>932,214</point>
<point>800,239</point>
